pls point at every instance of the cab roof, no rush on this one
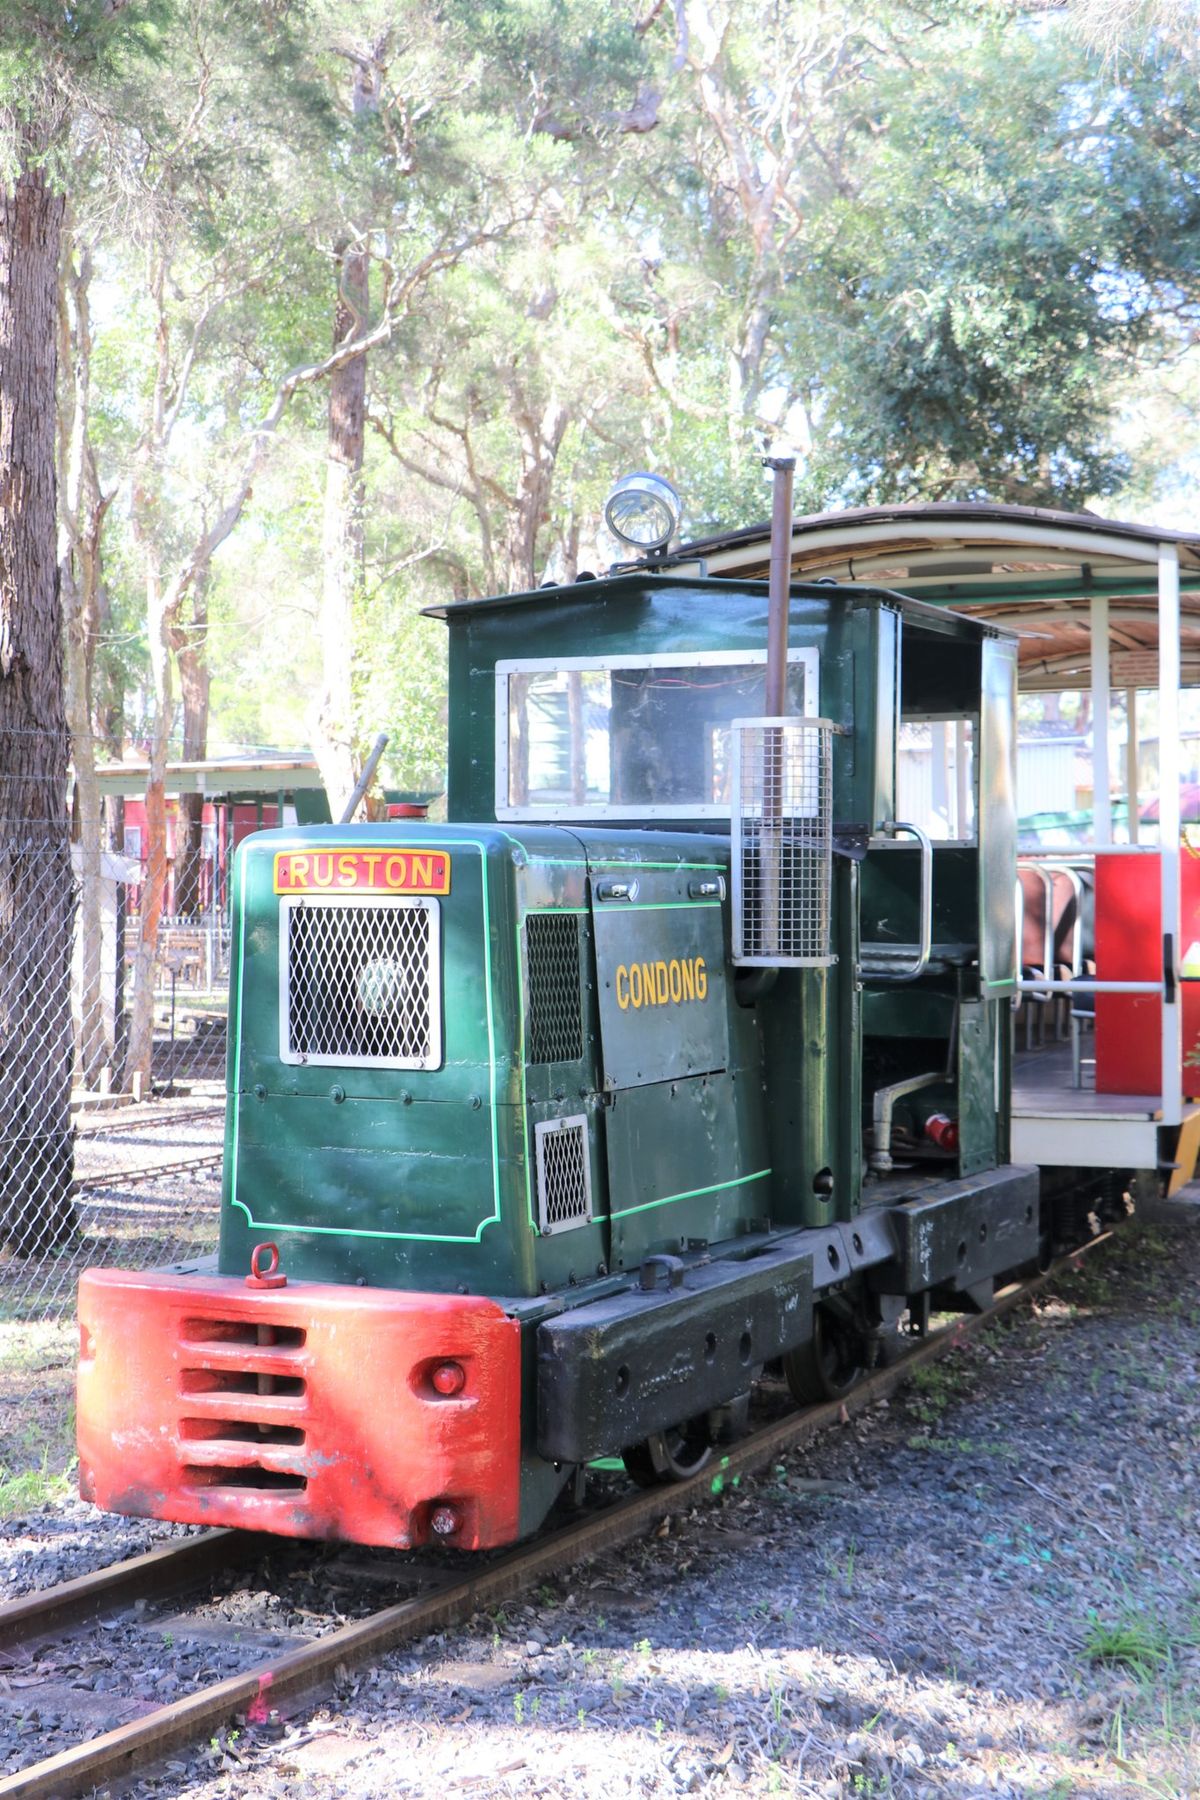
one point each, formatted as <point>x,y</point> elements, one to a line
<point>650,579</point>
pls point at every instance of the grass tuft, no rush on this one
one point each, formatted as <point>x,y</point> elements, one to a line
<point>1131,1641</point>
<point>37,1416</point>
<point>31,1490</point>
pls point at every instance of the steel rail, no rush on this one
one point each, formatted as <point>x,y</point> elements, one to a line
<point>165,1569</point>
<point>120,1177</point>
<point>116,1754</point>
<point>104,1128</point>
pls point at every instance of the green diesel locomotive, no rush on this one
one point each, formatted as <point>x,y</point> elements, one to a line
<point>676,1055</point>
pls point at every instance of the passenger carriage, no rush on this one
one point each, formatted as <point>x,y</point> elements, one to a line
<point>1108,1042</point>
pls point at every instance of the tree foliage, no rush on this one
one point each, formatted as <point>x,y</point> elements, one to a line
<point>938,246</point>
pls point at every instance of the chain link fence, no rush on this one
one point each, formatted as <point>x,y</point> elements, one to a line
<point>114,969</point>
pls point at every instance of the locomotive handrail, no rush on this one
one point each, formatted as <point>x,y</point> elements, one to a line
<point>1085,986</point>
<point>880,972</point>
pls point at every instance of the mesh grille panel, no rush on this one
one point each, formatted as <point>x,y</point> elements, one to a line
<point>564,1181</point>
<point>782,842</point>
<point>555,1012</point>
<point>361,983</point>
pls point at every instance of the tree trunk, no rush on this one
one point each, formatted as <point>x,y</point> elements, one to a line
<point>191,656</point>
<point>338,754</point>
<point>81,512</point>
<point>37,904</point>
<point>146,510</point>
<point>540,435</point>
<point>337,742</point>
<point>139,1058</point>
<point>94,1045</point>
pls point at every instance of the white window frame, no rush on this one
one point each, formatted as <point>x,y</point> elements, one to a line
<point>407,902</point>
<point>972,719</point>
<point>807,658</point>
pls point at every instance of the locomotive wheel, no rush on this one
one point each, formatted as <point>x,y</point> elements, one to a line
<point>669,1455</point>
<point>830,1365</point>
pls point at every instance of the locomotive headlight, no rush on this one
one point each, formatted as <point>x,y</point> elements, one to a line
<point>643,510</point>
<point>382,987</point>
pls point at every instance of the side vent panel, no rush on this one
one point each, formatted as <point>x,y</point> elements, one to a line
<point>555,1022</point>
<point>564,1177</point>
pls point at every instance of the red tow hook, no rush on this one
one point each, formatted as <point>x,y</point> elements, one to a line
<point>270,1277</point>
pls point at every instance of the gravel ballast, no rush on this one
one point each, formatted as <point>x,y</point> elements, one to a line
<point>988,1585</point>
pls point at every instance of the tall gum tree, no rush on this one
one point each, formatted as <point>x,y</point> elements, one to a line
<point>420,183</point>
<point>343,570</point>
<point>930,299</point>
<point>60,67</point>
<point>517,404</point>
<point>510,403</point>
<point>82,511</point>
<point>54,63</point>
<point>202,247</point>
<point>36,897</point>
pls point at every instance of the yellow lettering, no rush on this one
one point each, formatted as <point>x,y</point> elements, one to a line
<point>395,871</point>
<point>347,869</point>
<point>370,858</point>
<point>660,983</point>
<point>322,877</point>
<point>422,872</point>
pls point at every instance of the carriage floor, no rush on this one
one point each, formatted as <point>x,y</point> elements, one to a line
<point>1042,1085</point>
<point>1054,1123</point>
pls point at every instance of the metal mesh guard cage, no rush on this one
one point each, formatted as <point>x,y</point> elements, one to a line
<point>360,983</point>
<point>782,847</point>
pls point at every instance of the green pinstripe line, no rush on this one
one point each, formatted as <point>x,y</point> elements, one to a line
<point>487,980</point>
<point>669,905</point>
<point>239,871</point>
<point>420,1237</point>
<point>356,1231</point>
<point>692,1194</point>
<point>612,862</point>
<point>521,969</point>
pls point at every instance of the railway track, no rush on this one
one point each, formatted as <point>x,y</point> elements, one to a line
<point>119,1178</point>
<point>445,1598</point>
<point>102,1180</point>
<point>106,1126</point>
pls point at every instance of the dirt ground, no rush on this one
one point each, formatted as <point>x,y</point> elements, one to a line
<point>989,1585</point>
